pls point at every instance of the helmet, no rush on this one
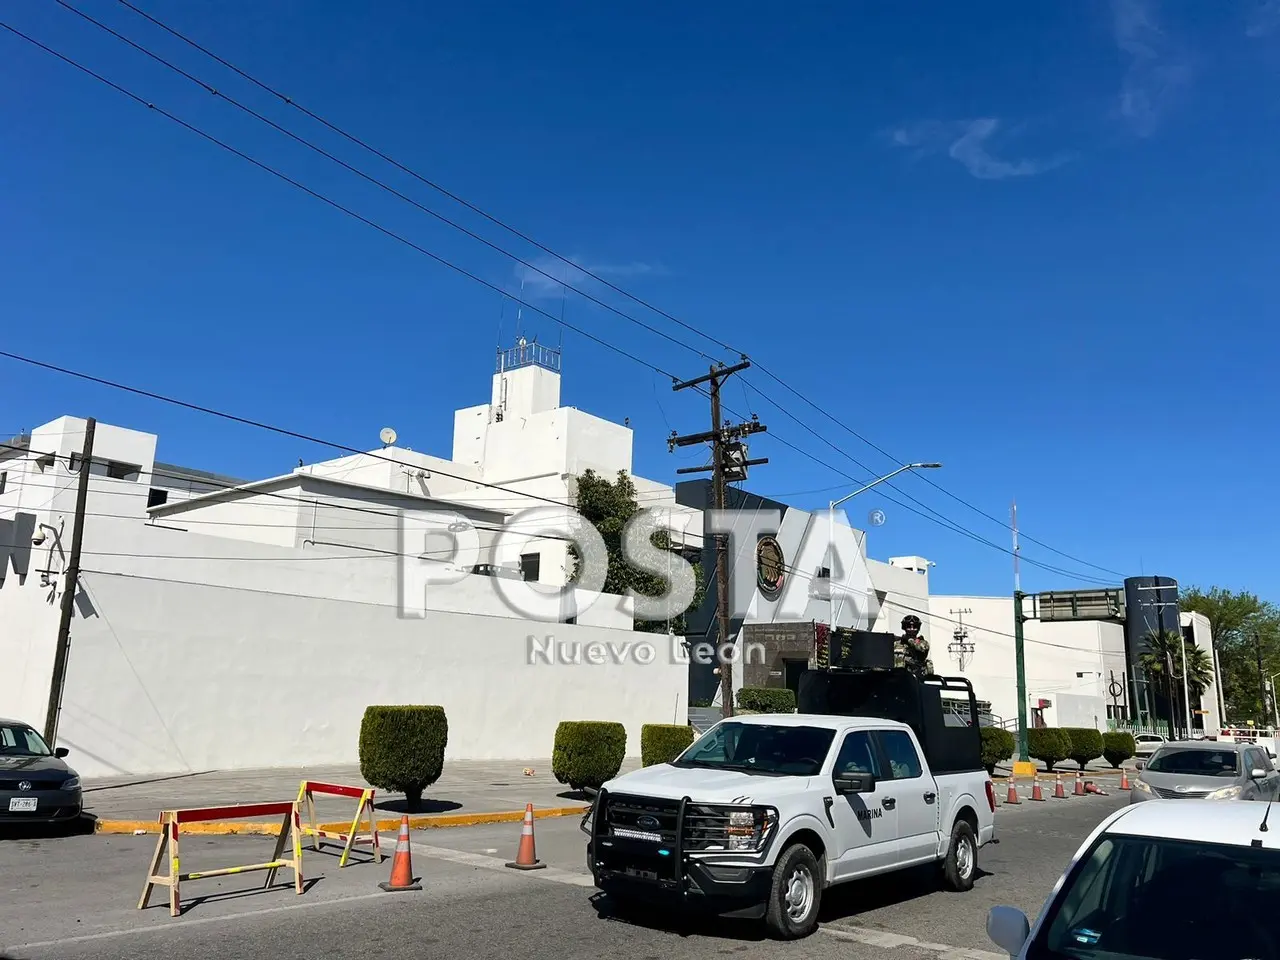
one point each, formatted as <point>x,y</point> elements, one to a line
<point>910,621</point>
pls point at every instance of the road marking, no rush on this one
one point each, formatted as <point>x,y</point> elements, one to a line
<point>883,939</point>
<point>483,862</point>
<point>183,924</point>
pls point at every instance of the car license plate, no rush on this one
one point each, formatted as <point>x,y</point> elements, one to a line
<point>642,874</point>
<point>22,805</point>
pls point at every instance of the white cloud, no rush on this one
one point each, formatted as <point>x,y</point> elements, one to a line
<point>970,143</point>
<point>1156,72</point>
<point>548,276</point>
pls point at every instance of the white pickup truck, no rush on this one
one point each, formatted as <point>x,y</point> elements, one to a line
<point>764,812</point>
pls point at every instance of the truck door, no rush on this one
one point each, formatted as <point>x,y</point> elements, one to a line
<point>915,793</point>
<point>866,826</point>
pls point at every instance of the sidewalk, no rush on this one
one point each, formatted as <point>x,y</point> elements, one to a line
<point>469,792</point>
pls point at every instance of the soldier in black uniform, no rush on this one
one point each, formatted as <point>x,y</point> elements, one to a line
<point>913,649</point>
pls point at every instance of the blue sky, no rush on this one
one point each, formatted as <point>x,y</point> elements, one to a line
<point>1033,246</point>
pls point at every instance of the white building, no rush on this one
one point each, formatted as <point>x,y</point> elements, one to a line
<point>1076,670</point>
<point>223,623</point>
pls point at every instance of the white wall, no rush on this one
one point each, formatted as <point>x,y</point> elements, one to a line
<point>189,656</point>
<point>1067,664</point>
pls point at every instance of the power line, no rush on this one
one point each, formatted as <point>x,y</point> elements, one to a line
<point>422,179</point>
<point>331,202</point>
<point>946,523</point>
<point>375,181</point>
<point>550,252</point>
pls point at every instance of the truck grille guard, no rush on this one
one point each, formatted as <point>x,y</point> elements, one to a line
<point>602,830</point>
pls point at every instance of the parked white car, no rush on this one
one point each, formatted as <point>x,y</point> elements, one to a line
<point>1160,881</point>
<point>763,813</point>
<point>1148,743</point>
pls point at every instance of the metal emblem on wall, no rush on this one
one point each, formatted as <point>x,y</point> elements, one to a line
<point>769,565</point>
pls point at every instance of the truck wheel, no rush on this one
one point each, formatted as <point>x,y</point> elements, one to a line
<point>961,863</point>
<point>795,894</point>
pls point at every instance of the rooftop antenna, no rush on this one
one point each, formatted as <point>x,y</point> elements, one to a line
<point>502,311</point>
<point>520,308</point>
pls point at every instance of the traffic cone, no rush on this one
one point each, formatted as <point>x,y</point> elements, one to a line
<point>1036,793</point>
<point>1079,791</point>
<point>1013,792</point>
<point>1092,787</point>
<point>526,857</point>
<point>1059,792</point>
<point>1124,780</point>
<point>401,864</point>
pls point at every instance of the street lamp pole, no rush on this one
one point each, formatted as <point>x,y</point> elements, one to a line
<point>831,522</point>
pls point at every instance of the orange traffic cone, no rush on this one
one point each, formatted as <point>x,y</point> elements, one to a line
<point>1079,791</point>
<point>1059,792</point>
<point>1013,792</point>
<point>1124,780</point>
<point>1092,787</point>
<point>402,864</point>
<point>526,857</point>
<point>1036,793</point>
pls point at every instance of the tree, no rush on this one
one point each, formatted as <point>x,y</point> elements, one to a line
<point>1243,625</point>
<point>609,506</point>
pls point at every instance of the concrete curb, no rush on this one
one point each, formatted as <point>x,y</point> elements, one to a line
<point>433,821</point>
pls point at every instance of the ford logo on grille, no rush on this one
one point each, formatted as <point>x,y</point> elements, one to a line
<point>24,786</point>
<point>649,823</point>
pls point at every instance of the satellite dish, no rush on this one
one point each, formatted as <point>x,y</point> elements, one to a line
<point>388,436</point>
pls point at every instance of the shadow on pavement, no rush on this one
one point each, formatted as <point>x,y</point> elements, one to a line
<point>400,805</point>
<point>844,902</point>
<point>79,827</point>
<point>160,900</point>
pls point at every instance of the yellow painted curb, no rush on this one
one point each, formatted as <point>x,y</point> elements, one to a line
<point>236,828</point>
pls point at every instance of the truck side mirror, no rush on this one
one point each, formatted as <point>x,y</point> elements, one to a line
<point>856,783</point>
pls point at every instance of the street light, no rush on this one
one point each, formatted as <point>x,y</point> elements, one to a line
<point>831,515</point>
<point>1275,706</point>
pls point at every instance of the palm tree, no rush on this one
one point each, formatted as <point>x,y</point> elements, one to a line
<point>1163,660</point>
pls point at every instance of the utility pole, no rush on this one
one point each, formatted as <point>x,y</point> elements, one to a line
<point>69,591</point>
<point>1019,644</point>
<point>728,462</point>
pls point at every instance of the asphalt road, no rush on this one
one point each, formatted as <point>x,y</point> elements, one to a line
<point>76,897</point>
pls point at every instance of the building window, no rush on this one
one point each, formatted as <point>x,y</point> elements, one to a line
<point>4,478</point>
<point>122,471</point>
<point>157,497</point>
<point>824,573</point>
<point>530,566</point>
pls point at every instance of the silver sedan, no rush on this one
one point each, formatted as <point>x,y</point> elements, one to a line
<point>1206,770</point>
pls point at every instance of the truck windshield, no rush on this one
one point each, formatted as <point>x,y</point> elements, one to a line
<point>760,748</point>
<point>1160,899</point>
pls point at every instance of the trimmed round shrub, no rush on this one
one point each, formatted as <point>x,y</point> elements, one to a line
<point>588,753</point>
<point>1118,746</point>
<point>1086,744</point>
<point>402,749</point>
<point>997,746</point>
<point>767,699</point>
<point>663,742</point>
<point>1049,745</point>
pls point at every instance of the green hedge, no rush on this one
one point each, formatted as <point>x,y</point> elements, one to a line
<point>1049,745</point>
<point>402,749</point>
<point>767,699</point>
<point>663,742</point>
<point>1086,745</point>
<point>997,747</point>
<point>588,753</point>
<point>1118,746</point>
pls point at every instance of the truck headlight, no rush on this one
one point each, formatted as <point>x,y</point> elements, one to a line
<point>710,827</point>
<point>1226,793</point>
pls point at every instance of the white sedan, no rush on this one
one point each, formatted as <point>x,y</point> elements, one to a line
<point>1161,881</point>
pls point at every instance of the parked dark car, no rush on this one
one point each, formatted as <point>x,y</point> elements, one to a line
<point>36,785</point>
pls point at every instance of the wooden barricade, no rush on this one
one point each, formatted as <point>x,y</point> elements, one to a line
<point>172,821</point>
<point>306,792</point>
